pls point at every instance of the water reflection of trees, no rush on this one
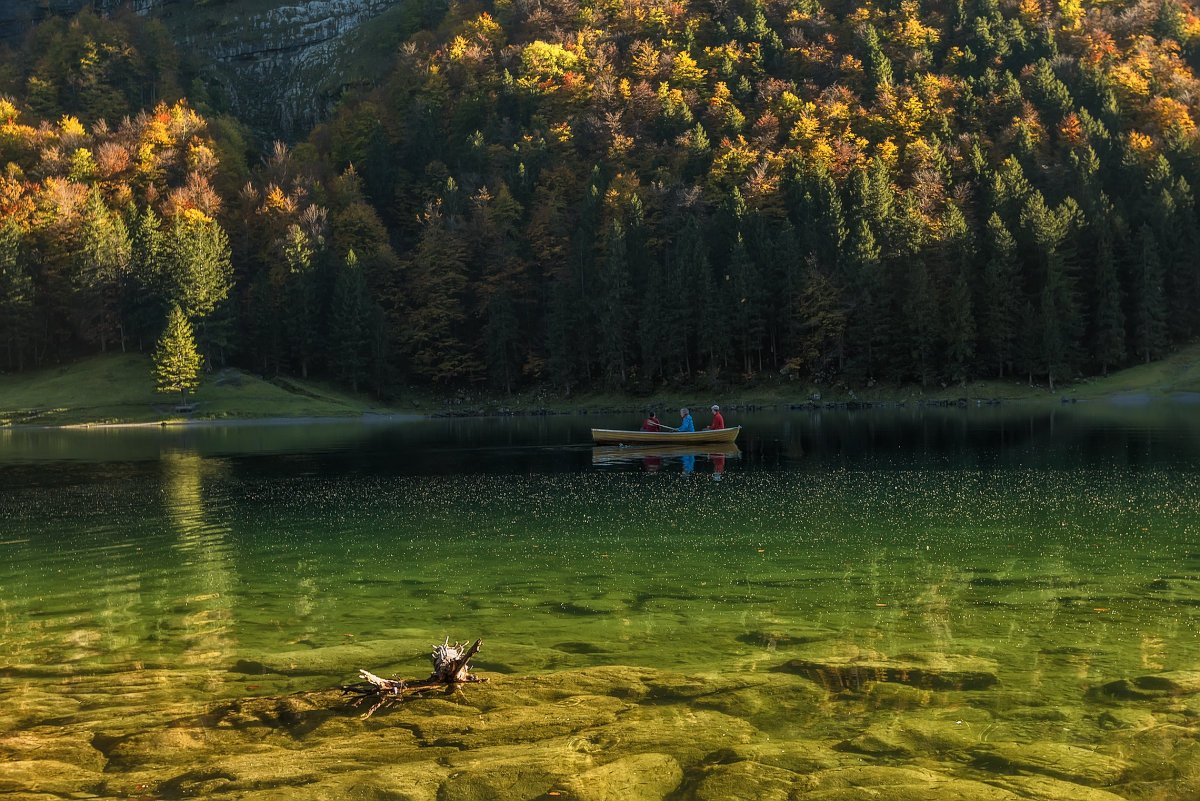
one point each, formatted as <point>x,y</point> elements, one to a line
<point>199,597</point>
<point>985,437</point>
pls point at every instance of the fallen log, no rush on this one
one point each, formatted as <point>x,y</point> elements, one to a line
<point>450,669</point>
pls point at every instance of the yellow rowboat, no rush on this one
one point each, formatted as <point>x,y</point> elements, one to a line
<point>608,436</point>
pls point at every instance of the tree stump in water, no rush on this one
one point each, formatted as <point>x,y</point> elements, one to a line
<point>450,669</point>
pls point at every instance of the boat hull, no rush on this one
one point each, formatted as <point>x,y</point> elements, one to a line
<point>608,436</point>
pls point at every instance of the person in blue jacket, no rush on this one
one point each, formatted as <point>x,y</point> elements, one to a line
<point>687,424</point>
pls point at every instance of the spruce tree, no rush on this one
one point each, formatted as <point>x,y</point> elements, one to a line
<point>144,305</point>
<point>610,303</point>
<point>1150,303</point>
<point>101,267</point>
<point>1000,298</point>
<point>176,360</point>
<point>1108,323</point>
<point>349,324</point>
<point>16,295</point>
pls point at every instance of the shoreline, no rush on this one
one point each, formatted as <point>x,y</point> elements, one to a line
<point>1120,400</point>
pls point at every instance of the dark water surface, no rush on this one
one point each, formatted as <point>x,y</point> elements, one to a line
<point>917,603</point>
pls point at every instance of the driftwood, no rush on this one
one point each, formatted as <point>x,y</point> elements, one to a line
<point>450,669</point>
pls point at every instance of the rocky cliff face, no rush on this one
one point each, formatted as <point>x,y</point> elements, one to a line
<point>279,61</point>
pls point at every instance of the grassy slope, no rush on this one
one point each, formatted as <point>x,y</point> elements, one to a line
<point>118,388</point>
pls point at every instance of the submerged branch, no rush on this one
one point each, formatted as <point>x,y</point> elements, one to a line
<point>450,669</point>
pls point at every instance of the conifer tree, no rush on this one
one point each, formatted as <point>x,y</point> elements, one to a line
<point>350,323</point>
<point>101,267</point>
<point>742,292</point>
<point>199,277</point>
<point>176,361</point>
<point>1108,324</point>
<point>16,295</point>
<point>145,305</point>
<point>500,336</point>
<point>302,296</point>
<point>610,302</point>
<point>866,322</point>
<point>960,330</point>
<point>689,279</point>
<point>878,65</point>
<point>1000,298</point>
<point>1149,309</point>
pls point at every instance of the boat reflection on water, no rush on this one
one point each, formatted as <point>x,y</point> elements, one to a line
<point>652,458</point>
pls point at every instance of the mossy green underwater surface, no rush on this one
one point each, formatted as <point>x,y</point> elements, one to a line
<point>992,621</point>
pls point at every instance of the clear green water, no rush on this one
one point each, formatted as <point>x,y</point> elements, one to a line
<point>151,576</point>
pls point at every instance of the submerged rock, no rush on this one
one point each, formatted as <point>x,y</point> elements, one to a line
<point>1156,685</point>
<point>1044,788</point>
<point>518,724</point>
<point>774,702</point>
<point>798,756</point>
<point>644,777</point>
<point>876,783</point>
<point>745,781</point>
<point>54,744</point>
<point>932,670</point>
<point>335,660</point>
<point>1068,762</point>
<point>511,774</point>
<point>685,734</point>
<point>27,777</point>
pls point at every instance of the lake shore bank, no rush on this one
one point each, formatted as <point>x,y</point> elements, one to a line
<point>116,390</point>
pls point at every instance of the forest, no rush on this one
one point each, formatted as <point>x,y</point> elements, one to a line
<point>625,194</point>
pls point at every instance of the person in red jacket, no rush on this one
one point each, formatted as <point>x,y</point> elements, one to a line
<point>718,420</point>
<point>651,423</point>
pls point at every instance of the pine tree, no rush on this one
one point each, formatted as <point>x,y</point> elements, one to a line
<point>688,285</point>
<point>1000,298</point>
<point>199,277</point>
<point>742,292</point>
<point>501,335</point>
<point>957,256</point>
<point>16,295</point>
<point>176,360</point>
<point>302,296</point>
<point>349,324</point>
<point>101,267</point>
<point>1051,235</point>
<point>960,330</point>
<point>820,322</point>
<point>1149,310</point>
<point>1108,323</point>
<point>435,335</point>
<point>610,303</point>
<point>144,305</point>
<point>878,65</point>
<point>865,326</point>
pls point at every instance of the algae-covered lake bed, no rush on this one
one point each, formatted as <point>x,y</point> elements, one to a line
<point>982,603</point>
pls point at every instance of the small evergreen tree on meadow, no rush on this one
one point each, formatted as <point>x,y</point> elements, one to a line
<point>176,360</point>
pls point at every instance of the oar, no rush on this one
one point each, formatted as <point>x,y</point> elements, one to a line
<point>664,425</point>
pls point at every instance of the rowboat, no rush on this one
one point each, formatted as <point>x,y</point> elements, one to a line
<point>609,436</point>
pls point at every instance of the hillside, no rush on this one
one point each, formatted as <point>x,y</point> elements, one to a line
<point>627,198</point>
<point>119,389</point>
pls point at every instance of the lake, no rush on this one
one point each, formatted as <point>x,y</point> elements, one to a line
<point>969,603</point>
